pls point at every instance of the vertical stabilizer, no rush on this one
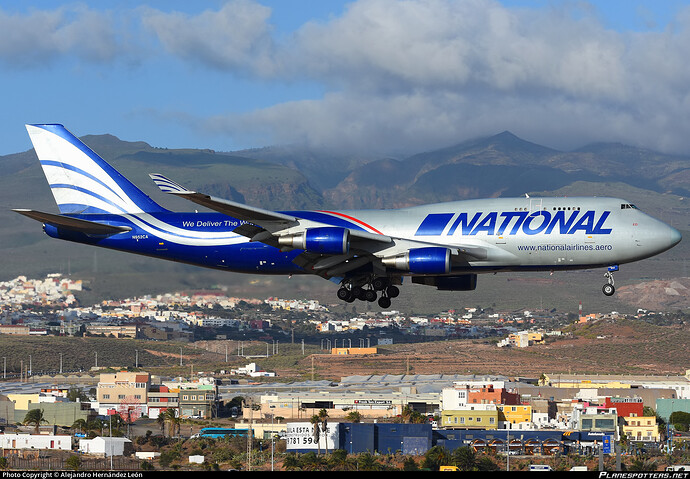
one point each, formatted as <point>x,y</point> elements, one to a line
<point>80,180</point>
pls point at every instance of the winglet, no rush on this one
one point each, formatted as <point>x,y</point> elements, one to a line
<point>167,185</point>
<point>236,210</point>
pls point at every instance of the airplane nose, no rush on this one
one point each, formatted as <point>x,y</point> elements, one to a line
<point>674,236</point>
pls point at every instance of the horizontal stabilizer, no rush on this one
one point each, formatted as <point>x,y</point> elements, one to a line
<point>74,224</point>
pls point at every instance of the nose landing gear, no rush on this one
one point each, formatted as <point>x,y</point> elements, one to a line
<point>609,287</point>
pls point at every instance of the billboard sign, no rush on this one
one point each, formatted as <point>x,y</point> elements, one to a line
<point>300,436</point>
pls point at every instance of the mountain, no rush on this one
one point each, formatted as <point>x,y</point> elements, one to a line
<point>504,165</point>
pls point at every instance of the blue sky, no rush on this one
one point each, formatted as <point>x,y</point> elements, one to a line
<point>385,77</point>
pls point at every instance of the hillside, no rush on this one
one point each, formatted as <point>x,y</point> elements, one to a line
<point>605,347</point>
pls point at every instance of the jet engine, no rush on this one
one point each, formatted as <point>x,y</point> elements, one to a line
<point>325,240</point>
<point>431,260</point>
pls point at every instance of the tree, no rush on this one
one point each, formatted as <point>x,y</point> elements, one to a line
<point>367,462</point>
<point>73,463</point>
<point>35,418</point>
<point>436,457</point>
<point>339,461</point>
<point>169,417</point>
<point>354,416</point>
<point>410,465</point>
<point>79,425</point>
<point>680,420</point>
<point>323,418</point>
<point>291,462</point>
<point>465,458</point>
<point>316,431</point>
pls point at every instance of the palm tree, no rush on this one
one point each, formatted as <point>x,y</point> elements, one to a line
<point>316,431</point>
<point>79,425</point>
<point>323,417</point>
<point>35,418</point>
<point>436,457</point>
<point>169,417</point>
<point>291,462</point>
<point>338,461</point>
<point>465,458</point>
<point>354,416</point>
<point>367,462</point>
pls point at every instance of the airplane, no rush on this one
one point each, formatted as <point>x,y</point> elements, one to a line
<point>368,253</point>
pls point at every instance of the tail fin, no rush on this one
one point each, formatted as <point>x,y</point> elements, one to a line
<point>80,180</point>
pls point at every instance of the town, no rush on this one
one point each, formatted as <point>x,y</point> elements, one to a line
<point>48,306</point>
<point>110,411</point>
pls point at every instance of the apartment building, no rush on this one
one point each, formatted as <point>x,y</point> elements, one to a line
<point>117,331</point>
<point>515,416</point>
<point>125,393</point>
<point>481,416</point>
<point>641,428</point>
<point>161,398</point>
<point>466,393</point>
<point>625,406</point>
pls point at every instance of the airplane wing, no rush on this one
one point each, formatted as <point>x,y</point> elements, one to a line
<point>275,229</point>
<point>261,223</point>
<point>74,224</point>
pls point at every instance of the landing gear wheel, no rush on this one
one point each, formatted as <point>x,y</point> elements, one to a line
<point>370,295</point>
<point>358,293</point>
<point>343,294</point>
<point>384,302</point>
<point>379,283</point>
<point>609,288</point>
<point>392,291</point>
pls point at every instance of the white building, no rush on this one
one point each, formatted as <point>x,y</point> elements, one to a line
<point>105,446</point>
<point>35,441</point>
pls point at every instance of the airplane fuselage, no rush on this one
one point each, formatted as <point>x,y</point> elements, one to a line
<point>512,234</point>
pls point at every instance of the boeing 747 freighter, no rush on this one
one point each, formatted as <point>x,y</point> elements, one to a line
<point>367,253</point>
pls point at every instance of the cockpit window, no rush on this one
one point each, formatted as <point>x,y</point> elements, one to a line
<point>626,206</point>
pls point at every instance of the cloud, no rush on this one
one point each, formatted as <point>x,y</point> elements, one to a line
<point>400,75</point>
<point>237,37</point>
<point>404,76</point>
<point>38,37</point>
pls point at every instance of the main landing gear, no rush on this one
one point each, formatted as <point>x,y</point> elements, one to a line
<point>369,291</point>
<point>609,287</point>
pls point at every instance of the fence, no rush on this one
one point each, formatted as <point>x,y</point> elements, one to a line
<point>59,464</point>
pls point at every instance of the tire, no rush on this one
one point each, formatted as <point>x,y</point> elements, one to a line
<point>370,295</point>
<point>343,294</point>
<point>392,291</point>
<point>608,289</point>
<point>384,302</point>
<point>379,284</point>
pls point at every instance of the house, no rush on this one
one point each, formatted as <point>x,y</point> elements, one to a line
<point>481,416</point>
<point>124,393</point>
<point>641,428</point>
<point>106,446</point>
<point>160,398</point>
<point>23,441</point>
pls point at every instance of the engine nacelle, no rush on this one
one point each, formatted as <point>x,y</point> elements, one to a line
<point>324,240</point>
<point>432,260</point>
